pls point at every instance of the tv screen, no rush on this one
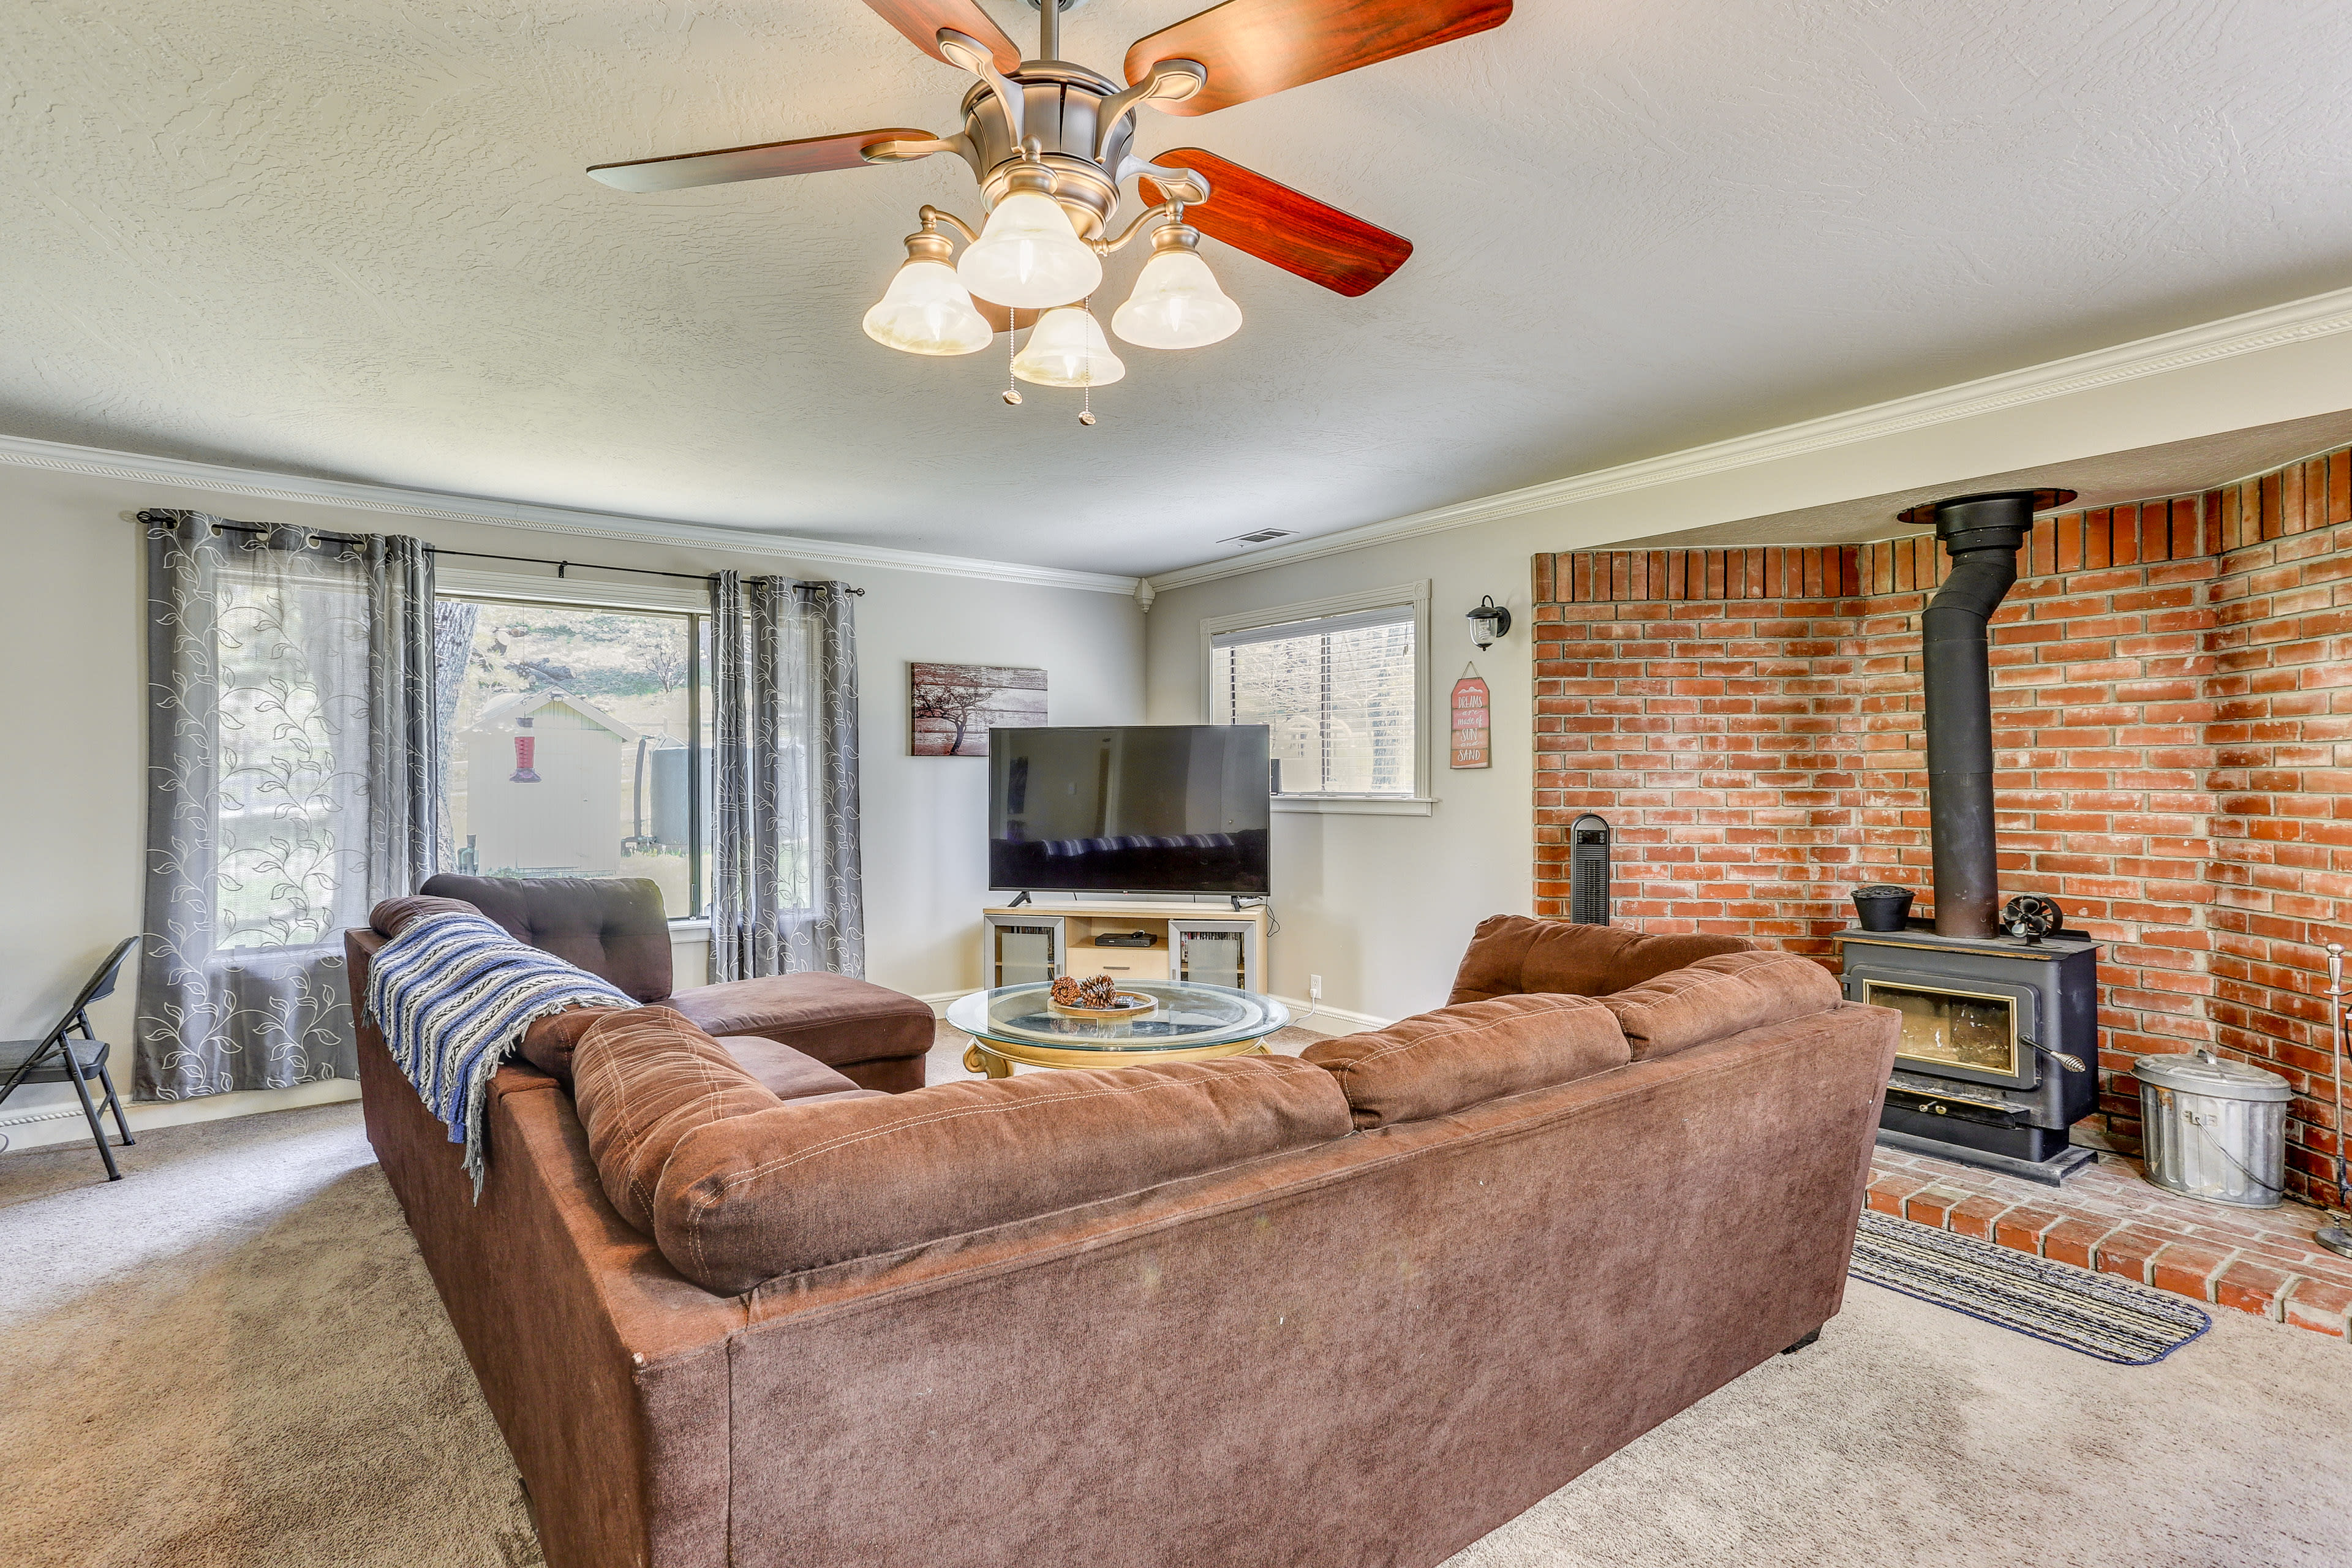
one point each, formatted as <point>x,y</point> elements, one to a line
<point>1149,808</point>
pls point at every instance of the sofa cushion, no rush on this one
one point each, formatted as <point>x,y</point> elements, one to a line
<point>787,1074</point>
<point>643,1078</point>
<point>609,926</point>
<point>836,1019</point>
<point>750,1197</point>
<point>1460,1056</point>
<point>392,916</point>
<point>1510,954</point>
<point>1720,996</point>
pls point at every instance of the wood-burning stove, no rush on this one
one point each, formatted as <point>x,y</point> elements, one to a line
<point>2000,1042</point>
<point>1981,1070</point>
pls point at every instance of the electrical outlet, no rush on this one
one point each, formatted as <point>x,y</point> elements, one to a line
<point>1315,988</point>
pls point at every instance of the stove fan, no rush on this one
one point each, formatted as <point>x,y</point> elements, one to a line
<point>2030,916</point>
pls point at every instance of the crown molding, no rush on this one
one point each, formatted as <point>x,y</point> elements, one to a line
<point>22,451</point>
<point>2274,326</point>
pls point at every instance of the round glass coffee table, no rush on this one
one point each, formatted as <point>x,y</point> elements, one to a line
<point>1191,1024</point>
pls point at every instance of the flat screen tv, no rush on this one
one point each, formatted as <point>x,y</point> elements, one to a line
<point>1143,808</point>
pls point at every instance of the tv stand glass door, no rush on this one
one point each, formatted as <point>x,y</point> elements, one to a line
<point>1215,952</point>
<point>1024,948</point>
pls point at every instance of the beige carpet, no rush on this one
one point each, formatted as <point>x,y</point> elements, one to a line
<point>234,1358</point>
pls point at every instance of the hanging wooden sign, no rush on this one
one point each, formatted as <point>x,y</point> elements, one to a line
<point>1473,734</point>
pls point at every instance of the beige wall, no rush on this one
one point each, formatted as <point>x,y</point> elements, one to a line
<point>1380,907</point>
<point>72,792</point>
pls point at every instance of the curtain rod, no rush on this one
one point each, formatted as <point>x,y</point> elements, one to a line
<point>560,566</point>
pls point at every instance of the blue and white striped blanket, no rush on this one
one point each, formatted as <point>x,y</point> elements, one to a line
<point>453,994</point>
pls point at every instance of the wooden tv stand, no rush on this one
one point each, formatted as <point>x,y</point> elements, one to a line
<point>1199,942</point>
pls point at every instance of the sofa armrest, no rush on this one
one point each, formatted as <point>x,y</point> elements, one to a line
<point>360,947</point>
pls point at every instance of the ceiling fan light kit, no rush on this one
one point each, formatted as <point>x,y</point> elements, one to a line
<point>1030,256</point>
<point>1050,144</point>
<point>1177,303</point>
<point>1067,349</point>
<point>926,310</point>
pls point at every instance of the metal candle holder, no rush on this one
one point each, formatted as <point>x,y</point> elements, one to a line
<point>2337,1237</point>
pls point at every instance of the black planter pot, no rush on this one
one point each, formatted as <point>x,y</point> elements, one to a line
<point>1881,906</point>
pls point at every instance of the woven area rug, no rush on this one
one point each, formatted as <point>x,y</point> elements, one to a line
<point>2097,1314</point>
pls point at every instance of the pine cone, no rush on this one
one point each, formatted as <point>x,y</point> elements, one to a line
<point>1066,991</point>
<point>1099,991</point>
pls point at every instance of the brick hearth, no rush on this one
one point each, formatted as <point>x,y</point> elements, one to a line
<point>2109,1218</point>
<point>2173,723</point>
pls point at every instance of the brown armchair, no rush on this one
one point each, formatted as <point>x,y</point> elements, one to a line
<point>614,927</point>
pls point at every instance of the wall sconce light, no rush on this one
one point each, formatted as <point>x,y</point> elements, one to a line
<point>1489,621</point>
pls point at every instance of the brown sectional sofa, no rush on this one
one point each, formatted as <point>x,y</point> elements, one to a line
<point>1351,1308</point>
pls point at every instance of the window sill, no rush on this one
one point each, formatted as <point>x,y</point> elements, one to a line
<point>681,930</point>
<point>1355,804</point>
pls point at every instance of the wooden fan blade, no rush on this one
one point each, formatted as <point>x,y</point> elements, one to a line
<point>1253,47</point>
<point>1274,223</point>
<point>921,20</point>
<point>810,155</point>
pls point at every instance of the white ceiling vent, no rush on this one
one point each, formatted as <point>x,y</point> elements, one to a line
<point>1263,536</point>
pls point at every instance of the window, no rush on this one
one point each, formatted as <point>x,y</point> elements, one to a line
<point>1336,683</point>
<point>290,649</point>
<point>577,742</point>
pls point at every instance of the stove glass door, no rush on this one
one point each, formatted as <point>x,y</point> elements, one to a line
<point>1952,1028</point>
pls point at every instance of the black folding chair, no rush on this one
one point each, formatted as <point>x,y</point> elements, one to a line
<point>59,1058</point>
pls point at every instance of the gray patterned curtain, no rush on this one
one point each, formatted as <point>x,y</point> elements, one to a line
<point>786,893</point>
<point>292,746</point>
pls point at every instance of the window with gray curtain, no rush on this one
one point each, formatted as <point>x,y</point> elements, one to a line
<point>291,759</point>
<point>786,888</point>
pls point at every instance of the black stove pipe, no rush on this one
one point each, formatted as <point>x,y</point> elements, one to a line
<point>1981,535</point>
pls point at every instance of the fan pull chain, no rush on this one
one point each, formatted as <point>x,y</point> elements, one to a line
<point>1086,387</point>
<point>1012,347</point>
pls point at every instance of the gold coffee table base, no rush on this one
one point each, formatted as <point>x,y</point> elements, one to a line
<point>996,1058</point>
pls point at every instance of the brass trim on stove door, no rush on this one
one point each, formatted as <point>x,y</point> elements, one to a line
<point>2024,1003</point>
<point>2007,1003</point>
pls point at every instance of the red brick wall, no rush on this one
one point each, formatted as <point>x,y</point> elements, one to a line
<point>2282,776</point>
<point>2172,713</point>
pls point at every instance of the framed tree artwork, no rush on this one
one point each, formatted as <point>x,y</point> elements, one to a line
<point>951,706</point>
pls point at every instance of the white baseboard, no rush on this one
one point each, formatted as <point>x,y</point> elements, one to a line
<point>1322,1018</point>
<point>41,1126</point>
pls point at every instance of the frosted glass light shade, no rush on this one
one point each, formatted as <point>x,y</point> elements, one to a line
<point>1029,257</point>
<point>926,312</point>
<point>1176,305</point>
<point>1068,350</point>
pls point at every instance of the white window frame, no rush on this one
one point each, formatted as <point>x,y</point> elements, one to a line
<point>1417,594</point>
<point>659,597</point>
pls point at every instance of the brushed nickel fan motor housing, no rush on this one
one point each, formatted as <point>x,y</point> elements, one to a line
<point>1061,109</point>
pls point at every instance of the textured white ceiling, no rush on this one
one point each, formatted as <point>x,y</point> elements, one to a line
<point>353,238</point>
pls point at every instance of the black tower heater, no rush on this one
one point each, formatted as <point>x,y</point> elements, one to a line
<point>1588,871</point>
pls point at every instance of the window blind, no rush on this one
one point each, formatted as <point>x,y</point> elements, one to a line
<point>1335,693</point>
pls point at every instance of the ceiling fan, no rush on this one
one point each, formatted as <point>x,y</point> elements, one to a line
<point>1051,143</point>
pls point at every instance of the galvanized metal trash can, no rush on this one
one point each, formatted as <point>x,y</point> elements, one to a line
<point>2214,1129</point>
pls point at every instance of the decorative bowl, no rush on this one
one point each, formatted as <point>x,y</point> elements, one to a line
<point>1131,1006</point>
